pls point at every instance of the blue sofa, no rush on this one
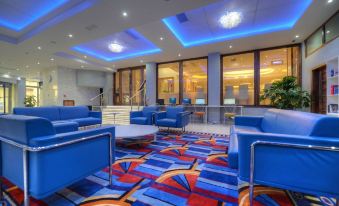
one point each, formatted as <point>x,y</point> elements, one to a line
<point>64,119</point>
<point>175,117</point>
<point>144,117</point>
<point>291,150</point>
<point>41,162</point>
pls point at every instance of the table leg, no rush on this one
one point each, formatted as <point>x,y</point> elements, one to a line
<point>155,137</point>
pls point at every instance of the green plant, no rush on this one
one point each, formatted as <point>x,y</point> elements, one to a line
<point>287,94</point>
<point>30,101</point>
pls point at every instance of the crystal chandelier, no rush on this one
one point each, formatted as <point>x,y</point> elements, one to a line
<point>230,20</point>
<point>116,48</point>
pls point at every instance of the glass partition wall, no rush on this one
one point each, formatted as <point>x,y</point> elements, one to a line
<point>127,83</point>
<point>246,75</point>
<point>186,79</point>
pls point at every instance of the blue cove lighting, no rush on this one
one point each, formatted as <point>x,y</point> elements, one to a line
<point>134,44</point>
<point>202,26</point>
<point>18,16</point>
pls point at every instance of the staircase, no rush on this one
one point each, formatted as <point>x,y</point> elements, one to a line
<point>121,117</point>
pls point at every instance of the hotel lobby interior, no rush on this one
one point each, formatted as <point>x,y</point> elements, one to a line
<point>169,102</point>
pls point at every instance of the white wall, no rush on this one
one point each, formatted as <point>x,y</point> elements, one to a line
<point>317,59</point>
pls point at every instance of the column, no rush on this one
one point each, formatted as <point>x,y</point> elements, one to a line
<point>151,85</point>
<point>214,78</point>
<point>108,88</point>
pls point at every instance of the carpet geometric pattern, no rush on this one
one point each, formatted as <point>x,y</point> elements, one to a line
<point>177,169</point>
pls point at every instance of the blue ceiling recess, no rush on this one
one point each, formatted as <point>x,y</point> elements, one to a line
<point>17,15</point>
<point>133,45</point>
<point>202,26</point>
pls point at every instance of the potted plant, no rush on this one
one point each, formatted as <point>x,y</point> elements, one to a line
<point>30,101</point>
<point>287,94</point>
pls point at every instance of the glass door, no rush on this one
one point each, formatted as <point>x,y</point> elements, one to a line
<point>5,97</point>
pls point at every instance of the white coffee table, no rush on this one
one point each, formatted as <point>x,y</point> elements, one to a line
<point>135,130</point>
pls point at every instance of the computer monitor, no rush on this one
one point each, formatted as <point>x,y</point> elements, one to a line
<point>200,101</point>
<point>186,101</point>
<point>229,101</point>
<point>172,100</point>
<point>160,101</point>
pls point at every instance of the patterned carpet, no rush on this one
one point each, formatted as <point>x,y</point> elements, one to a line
<point>177,169</point>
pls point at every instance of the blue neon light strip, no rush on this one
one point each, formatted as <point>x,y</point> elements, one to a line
<point>190,38</point>
<point>23,20</point>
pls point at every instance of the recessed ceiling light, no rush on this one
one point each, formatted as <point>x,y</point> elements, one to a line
<point>70,35</point>
<point>17,69</point>
<point>297,36</point>
<point>114,47</point>
<point>19,78</point>
<point>6,76</point>
<point>329,1</point>
<point>38,62</point>
<point>85,57</point>
<point>82,66</point>
<point>39,47</point>
<point>230,46</point>
<point>328,31</point>
<point>161,38</point>
<point>179,55</point>
<point>230,19</point>
<point>52,59</point>
<point>27,66</point>
<point>124,13</point>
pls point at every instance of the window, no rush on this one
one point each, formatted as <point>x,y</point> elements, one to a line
<point>168,81</point>
<point>332,28</point>
<point>195,80</point>
<point>33,89</point>
<point>326,33</point>
<point>276,64</point>
<point>314,42</point>
<point>238,79</point>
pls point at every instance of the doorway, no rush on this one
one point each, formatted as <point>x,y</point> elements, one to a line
<point>319,93</point>
<point>5,97</point>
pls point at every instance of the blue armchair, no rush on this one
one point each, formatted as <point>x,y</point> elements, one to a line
<point>173,117</point>
<point>290,150</point>
<point>46,162</point>
<point>144,117</point>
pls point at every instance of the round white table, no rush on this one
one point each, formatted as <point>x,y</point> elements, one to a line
<point>135,130</point>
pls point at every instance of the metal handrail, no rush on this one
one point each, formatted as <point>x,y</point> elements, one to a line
<point>135,95</point>
<point>26,149</point>
<point>101,96</point>
<point>280,144</point>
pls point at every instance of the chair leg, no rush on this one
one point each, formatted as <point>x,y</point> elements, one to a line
<point>25,173</point>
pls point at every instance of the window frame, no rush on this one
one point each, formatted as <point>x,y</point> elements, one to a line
<point>181,78</point>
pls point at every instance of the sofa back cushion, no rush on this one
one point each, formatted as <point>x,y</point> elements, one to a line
<point>326,127</point>
<point>149,109</point>
<point>289,122</point>
<point>21,128</point>
<point>75,112</point>
<point>50,113</point>
<point>171,112</point>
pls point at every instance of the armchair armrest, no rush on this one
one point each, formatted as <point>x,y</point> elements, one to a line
<point>248,120</point>
<point>95,114</point>
<point>70,136</point>
<point>290,162</point>
<point>182,119</point>
<point>160,115</point>
<point>135,114</point>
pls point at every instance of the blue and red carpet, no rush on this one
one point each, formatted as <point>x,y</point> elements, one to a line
<point>177,169</point>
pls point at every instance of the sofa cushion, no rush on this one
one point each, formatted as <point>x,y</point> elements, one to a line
<point>76,112</point>
<point>171,112</point>
<point>86,121</point>
<point>289,122</point>
<point>238,128</point>
<point>139,120</point>
<point>167,122</point>
<point>65,126</point>
<point>50,113</point>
